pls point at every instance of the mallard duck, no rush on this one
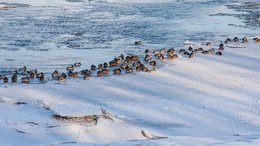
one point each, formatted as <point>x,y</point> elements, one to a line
<point>38,75</point>
<point>117,71</point>
<point>221,47</point>
<point>25,79</point>
<point>171,57</point>
<point>87,76</point>
<point>62,77</point>
<point>134,58</point>
<point>152,63</point>
<point>146,51</point>
<point>93,67</point>
<point>152,70</point>
<point>70,68</point>
<point>105,71</point>
<point>171,50</point>
<point>244,40</point>
<point>228,40</point>
<point>2,76</point>
<point>147,58</point>
<point>13,72</point>
<point>200,49</point>
<point>73,74</point>
<point>208,44</point>
<point>5,80</point>
<point>145,68</point>
<point>138,42</point>
<point>138,68</point>
<point>105,65</point>
<point>160,56</point>
<point>100,66</point>
<point>14,78</point>
<point>182,51</point>
<point>163,50</point>
<point>156,52</point>
<point>128,69</point>
<point>23,68</point>
<point>32,75</point>
<point>77,64</point>
<point>99,73</point>
<point>55,74</point>
<point>235,39</point>
<point>123,65</point>
<point>190,48</point>
<point>112,63</point>
<point>219,53</point>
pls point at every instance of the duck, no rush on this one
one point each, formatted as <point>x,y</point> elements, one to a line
<point>14,78</point>
<point>147,58</point>
<point>156,52</point>
<point>134,58</point>
<point>208,44</point>
<point>38,75</point>
<point>244,40</point>
<point>200,49</point>
<point>128,69</point>
<point>182,51</point>
<point>13,72</point>
<point>55,74</point>
<point>219,53</point>
<point>171,50</point>
<point>86,77</point>
<point>2,76</point>
<point>77,64</point>
<point>105,65</point>
<point>163,50</point>
<point>70,68</point>
<point>5,80</point>
<point>112,63</point>
<point>145,68</point>
<point>23,68</point>
<point>25,79</point>
<point>256,39</point>
<point>138,42</point>
<point>93,67</point>
<point>73,74</point>
<point>121,57</point>
<point>235,39</point>
<point>160,56</point>
<point>105,71</point>
<point>99,73</point>
<point>221,47</point>
<point>117,71</point>
<point>138,68</point>
<point>62,77</point>
<point>32,75</point>
<point>123,65</point>
<point>152,63</point>
<point>152,70</point>
<point>190,48</point>
<point>100,66</point>
<point>33,71</point>
<point>146,51</point>
<point>228,40</point>
<point>129,60</point>
<point>171,57</point>
<point>118,61</point>
<point>85,71</point>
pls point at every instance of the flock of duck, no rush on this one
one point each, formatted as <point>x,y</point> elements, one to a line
<point>120,64</point>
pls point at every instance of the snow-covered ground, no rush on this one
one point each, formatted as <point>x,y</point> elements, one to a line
<point>204,100</point>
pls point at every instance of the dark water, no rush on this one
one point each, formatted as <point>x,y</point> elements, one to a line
<point>52,36</point>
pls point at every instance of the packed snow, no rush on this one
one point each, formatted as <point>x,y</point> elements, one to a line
<point>204,100</point>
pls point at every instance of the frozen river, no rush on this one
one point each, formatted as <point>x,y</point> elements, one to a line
<point>49,35</point>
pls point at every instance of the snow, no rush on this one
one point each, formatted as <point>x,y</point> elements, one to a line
<point>204,100</point>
